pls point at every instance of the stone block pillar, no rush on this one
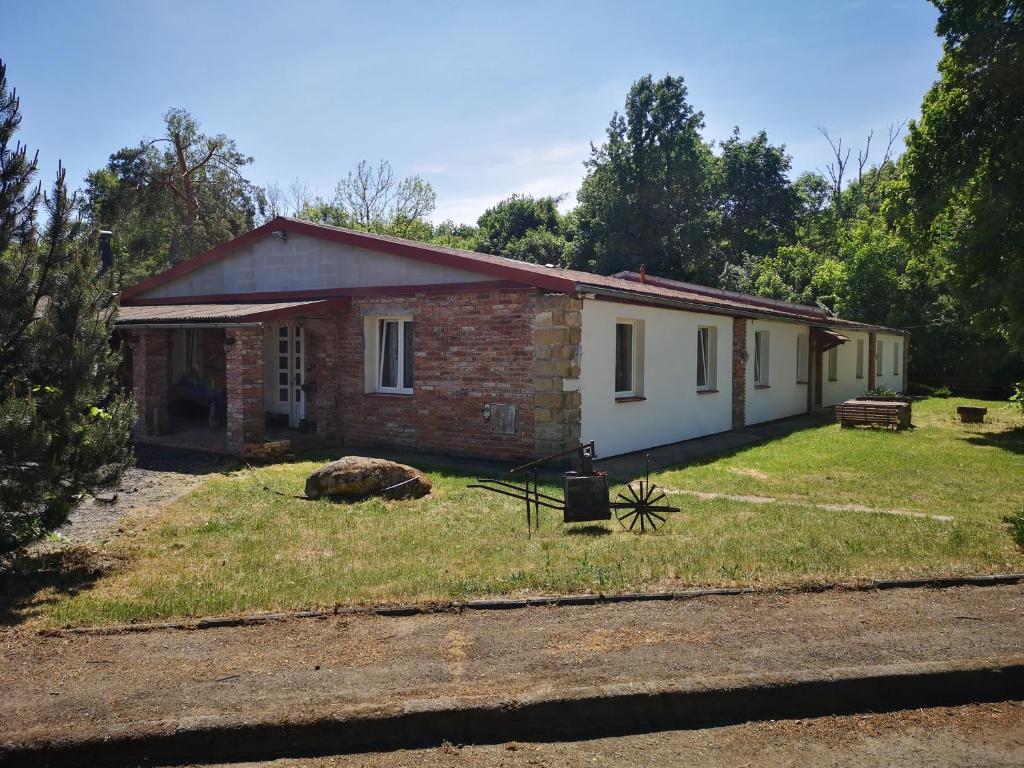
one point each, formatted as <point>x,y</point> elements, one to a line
<point>244,363</point>
<point>739,372</point>
<point>151,373</point>
<point>557,335</point>
<point>872,359</point>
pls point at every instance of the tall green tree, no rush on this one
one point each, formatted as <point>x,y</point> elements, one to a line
<point>650,194</point>
<point>63,425</point>
<point>963,169</point>
<point>525,228</point>
<point>757,200</point>
<point>172,197</point>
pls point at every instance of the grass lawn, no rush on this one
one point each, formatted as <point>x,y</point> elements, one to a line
<point>231,546</point>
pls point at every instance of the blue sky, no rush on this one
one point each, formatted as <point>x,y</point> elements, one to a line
<point>483,99</point>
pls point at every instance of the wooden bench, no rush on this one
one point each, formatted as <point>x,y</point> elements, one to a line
<point>880,413</point>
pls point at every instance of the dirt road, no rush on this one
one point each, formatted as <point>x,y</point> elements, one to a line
<point>984,736</point>
<point>300,669</point>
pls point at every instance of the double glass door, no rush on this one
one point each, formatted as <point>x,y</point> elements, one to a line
<point>289,373</point>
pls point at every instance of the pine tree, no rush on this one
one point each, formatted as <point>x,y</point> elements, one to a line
<point>64,426</point>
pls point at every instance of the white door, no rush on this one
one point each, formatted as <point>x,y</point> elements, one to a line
<point>290,369</point>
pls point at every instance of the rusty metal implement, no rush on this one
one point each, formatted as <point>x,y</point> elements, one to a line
<point>585,494</point>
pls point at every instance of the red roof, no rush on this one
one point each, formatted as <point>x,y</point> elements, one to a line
<point>626,286</point>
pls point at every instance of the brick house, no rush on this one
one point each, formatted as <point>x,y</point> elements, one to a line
<point>363,339</point>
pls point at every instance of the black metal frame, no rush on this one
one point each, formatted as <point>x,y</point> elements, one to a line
<point>637,505</point>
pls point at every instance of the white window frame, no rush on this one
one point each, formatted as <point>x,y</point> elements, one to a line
<point>896,358</point>
<point>635,390</point>
<point>833,364</point>
<point>379,351</point>
<point>803,358</point>
<point>879,358</point>
<point>762,358</point>
<point>707,339</point>
<point>860,358</point>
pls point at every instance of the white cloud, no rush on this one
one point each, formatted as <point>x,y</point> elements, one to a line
<point>493,173</point>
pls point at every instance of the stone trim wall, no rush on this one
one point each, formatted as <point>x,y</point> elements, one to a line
<point>557,339</point>
<point>244,369</point>
<point>151,371</point>
<point>739,372</point>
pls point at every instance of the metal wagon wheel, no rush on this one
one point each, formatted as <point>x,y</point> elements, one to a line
<point>638,503</point>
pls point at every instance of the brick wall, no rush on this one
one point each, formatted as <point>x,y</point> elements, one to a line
<point>322,377</point>
<point>872,372</point>
<point>473,349</point>
<point>739,372</point>
<point>151,370</point>
<point>244,372</point>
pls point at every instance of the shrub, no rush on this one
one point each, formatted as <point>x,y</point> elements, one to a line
<point>1016,523</point>
<point>1017,398</point>
<point>943,391</point>
<point>882,391</point>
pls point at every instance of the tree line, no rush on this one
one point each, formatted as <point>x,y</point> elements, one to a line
<point>931,241</point>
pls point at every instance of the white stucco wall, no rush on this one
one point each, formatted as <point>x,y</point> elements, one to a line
<point>783,396</point>
<point>884,376</point>
<point>672,410</point>
<point>847,384</point>
<point>301,263</point>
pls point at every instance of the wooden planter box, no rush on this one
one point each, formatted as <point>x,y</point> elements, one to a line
<point>874,413</point>
<point>971,414</point>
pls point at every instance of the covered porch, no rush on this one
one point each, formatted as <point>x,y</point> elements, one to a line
<point>217,376</point>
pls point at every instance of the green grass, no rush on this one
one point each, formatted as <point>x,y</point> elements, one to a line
<point>231,546</point>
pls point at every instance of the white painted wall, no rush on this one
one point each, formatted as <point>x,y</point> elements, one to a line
<point>302,262</point>
<point>783,396</point>
<point>672,410</point>
<point>884,376</point>
<point>847,385</point>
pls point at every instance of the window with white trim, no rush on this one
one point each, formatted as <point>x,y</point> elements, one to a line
<point>802,358</point>
<point>895,359</point>
<point>628,358</point>
<point>707,358</point>
<point>761,358</point>
<point>396,346</point>
<point>879,357</point>
<point>833,364</point>
<point>860,358</point>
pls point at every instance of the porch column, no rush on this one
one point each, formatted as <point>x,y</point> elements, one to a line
<point>151,379</point>
<point>322,376</point>
<point>739,372</point>
<point>872,373</point>
<point>244,367</point>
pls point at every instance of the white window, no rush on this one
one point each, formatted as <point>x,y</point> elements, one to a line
<point>833,364</point>
<point>879,357</point>
<point>395,352</point>
<point>895,359</point>
<point>761,358</point>
<point>802,358</point>
<point>629,358</point>
<point>707,358</point>
<point>860,358</point>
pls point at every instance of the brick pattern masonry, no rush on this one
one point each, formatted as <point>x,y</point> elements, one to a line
<point>150,375</point>
<point>471,350</point>
<point>244,363</point>
<point>739,372</point>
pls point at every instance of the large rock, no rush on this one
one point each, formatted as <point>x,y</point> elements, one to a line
<point>354,477</point>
